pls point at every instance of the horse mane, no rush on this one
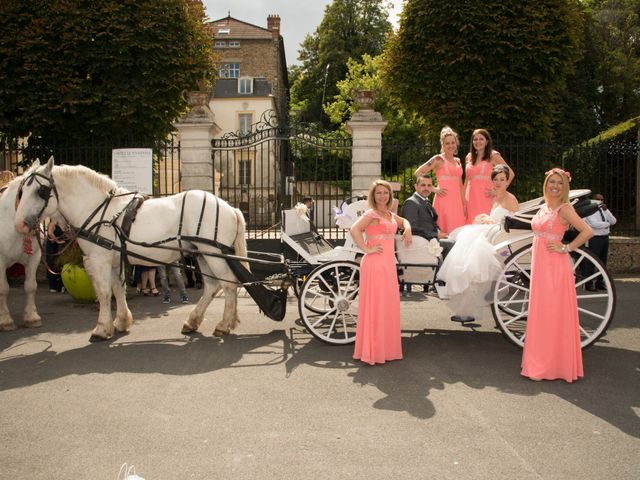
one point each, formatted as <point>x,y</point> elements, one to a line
<point>98,180</point>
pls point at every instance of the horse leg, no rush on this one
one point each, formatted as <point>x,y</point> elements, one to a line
<point>196,316</point>
<point>6,322</point>
<point>100,272</point>
<point>124,319</point>
<point>30,317</point>
<point>230,318</point>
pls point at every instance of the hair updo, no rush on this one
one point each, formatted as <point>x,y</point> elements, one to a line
<point>498,169</point>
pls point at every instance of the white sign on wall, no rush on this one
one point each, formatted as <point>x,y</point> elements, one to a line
<point>132,168</point>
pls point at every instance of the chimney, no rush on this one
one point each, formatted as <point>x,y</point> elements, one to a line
<point>273,25</point>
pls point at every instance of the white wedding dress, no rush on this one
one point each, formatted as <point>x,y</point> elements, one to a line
<point>472,266</point>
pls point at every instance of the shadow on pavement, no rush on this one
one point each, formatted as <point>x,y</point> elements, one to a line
<point>434,359</point>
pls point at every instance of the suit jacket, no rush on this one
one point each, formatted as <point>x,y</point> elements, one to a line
<point>422,217</point>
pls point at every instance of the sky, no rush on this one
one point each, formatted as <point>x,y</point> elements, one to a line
<point>297,17</point>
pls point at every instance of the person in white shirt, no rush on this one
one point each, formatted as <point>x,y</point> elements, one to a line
<point>600,222</point>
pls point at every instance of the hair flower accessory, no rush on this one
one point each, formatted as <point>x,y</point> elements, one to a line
<point>559,171</point>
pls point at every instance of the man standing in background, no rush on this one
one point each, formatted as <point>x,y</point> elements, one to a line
<point>600,222</point>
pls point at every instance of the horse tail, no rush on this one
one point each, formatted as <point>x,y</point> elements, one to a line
<point>240,242</point>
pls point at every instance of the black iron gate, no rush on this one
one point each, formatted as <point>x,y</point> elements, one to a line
<point>269,167</point>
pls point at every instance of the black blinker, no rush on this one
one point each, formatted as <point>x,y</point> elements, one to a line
<point>44,192</point>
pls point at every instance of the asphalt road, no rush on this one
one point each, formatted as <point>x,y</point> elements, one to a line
<point>271,402</point>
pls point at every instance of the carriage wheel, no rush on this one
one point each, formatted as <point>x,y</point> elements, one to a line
<point>328,302</point>
<point>511,296</point>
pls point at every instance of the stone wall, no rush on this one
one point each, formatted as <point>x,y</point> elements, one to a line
<point>624,255</point>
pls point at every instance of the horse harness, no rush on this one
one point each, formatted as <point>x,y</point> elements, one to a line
<point>90,231</point>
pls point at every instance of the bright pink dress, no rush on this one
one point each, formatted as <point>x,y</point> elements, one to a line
<point>478,181</point>
<point>449,208</point>
<point>552,342</point>
<point>378,329</point>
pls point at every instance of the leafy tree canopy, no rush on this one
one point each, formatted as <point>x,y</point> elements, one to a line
<point>349,29</point>
<point>365,75</point>
<point>617,33</point>
<point>496,64</point>
<point>77,70</point>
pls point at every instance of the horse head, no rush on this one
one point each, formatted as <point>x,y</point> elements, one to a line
<point>37,197</point>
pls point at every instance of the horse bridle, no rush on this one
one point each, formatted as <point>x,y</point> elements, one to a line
<point>44,191</point>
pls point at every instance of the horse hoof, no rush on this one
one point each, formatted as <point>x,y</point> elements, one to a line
<point>220,333</point>
<point>7,327</point>
<point>186,329</point>
<point>96,338</point>
<point>32,323</point>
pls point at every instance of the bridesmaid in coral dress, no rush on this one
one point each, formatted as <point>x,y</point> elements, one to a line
<point>478,187</point>
<point>449,199</point>
<point>552,341</point>
<point>378,329</point>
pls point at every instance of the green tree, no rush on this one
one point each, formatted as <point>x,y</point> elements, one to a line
<point>77,70</point>
<point>349,29</point>
<point>578,116</point>
<point>497,64</point>
<point>365,75</point>
<point>617,30</point>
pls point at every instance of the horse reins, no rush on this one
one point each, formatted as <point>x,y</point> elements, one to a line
<point>90,232</point>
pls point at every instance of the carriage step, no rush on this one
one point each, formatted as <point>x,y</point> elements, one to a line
<point>462,319</point>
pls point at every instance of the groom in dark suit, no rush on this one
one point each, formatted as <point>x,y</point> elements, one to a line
<point>417,209</point>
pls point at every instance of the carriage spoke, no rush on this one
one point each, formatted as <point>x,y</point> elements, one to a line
<point>322,318</point>
<point>348,286</point>
<point>588,279</point>
<point>577,263</point>
<point>518,287</point>
<point>584,332</point>
<point>329,287</point>
<point>353,293</point>
<point>333,323</point>
<point>517,317</point>
<point>592,295</point>
<point>509,302</point>
<point>591,313</point>
<point>522,270</point>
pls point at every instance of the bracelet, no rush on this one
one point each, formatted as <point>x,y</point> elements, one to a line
<point>563,249</point>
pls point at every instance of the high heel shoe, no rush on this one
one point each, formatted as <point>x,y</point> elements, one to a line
<point>155,292</point>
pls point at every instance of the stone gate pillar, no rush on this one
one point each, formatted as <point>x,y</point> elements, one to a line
<point>196,132</point>
<point>366,127</point>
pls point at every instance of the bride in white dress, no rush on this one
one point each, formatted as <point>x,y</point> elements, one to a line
<point>472,265</point>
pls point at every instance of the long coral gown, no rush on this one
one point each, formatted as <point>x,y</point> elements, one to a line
<point>378,329</point>
<point>478,182</point>
<point>552,342</point>
<point>449,208</point>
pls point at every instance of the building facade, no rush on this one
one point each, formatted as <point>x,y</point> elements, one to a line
<point>252,85</point>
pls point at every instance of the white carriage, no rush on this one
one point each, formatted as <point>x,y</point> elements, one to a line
<point>328,278</point>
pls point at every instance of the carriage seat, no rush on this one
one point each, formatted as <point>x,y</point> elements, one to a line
<point>299,229</point>
<point>348,213</point>
<point>421,265</point>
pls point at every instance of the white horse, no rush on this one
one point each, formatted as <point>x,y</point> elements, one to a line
<point>12,251</point>
<point>77,193</point>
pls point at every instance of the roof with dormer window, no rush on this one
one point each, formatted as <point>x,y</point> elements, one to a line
<point>233,29</point>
